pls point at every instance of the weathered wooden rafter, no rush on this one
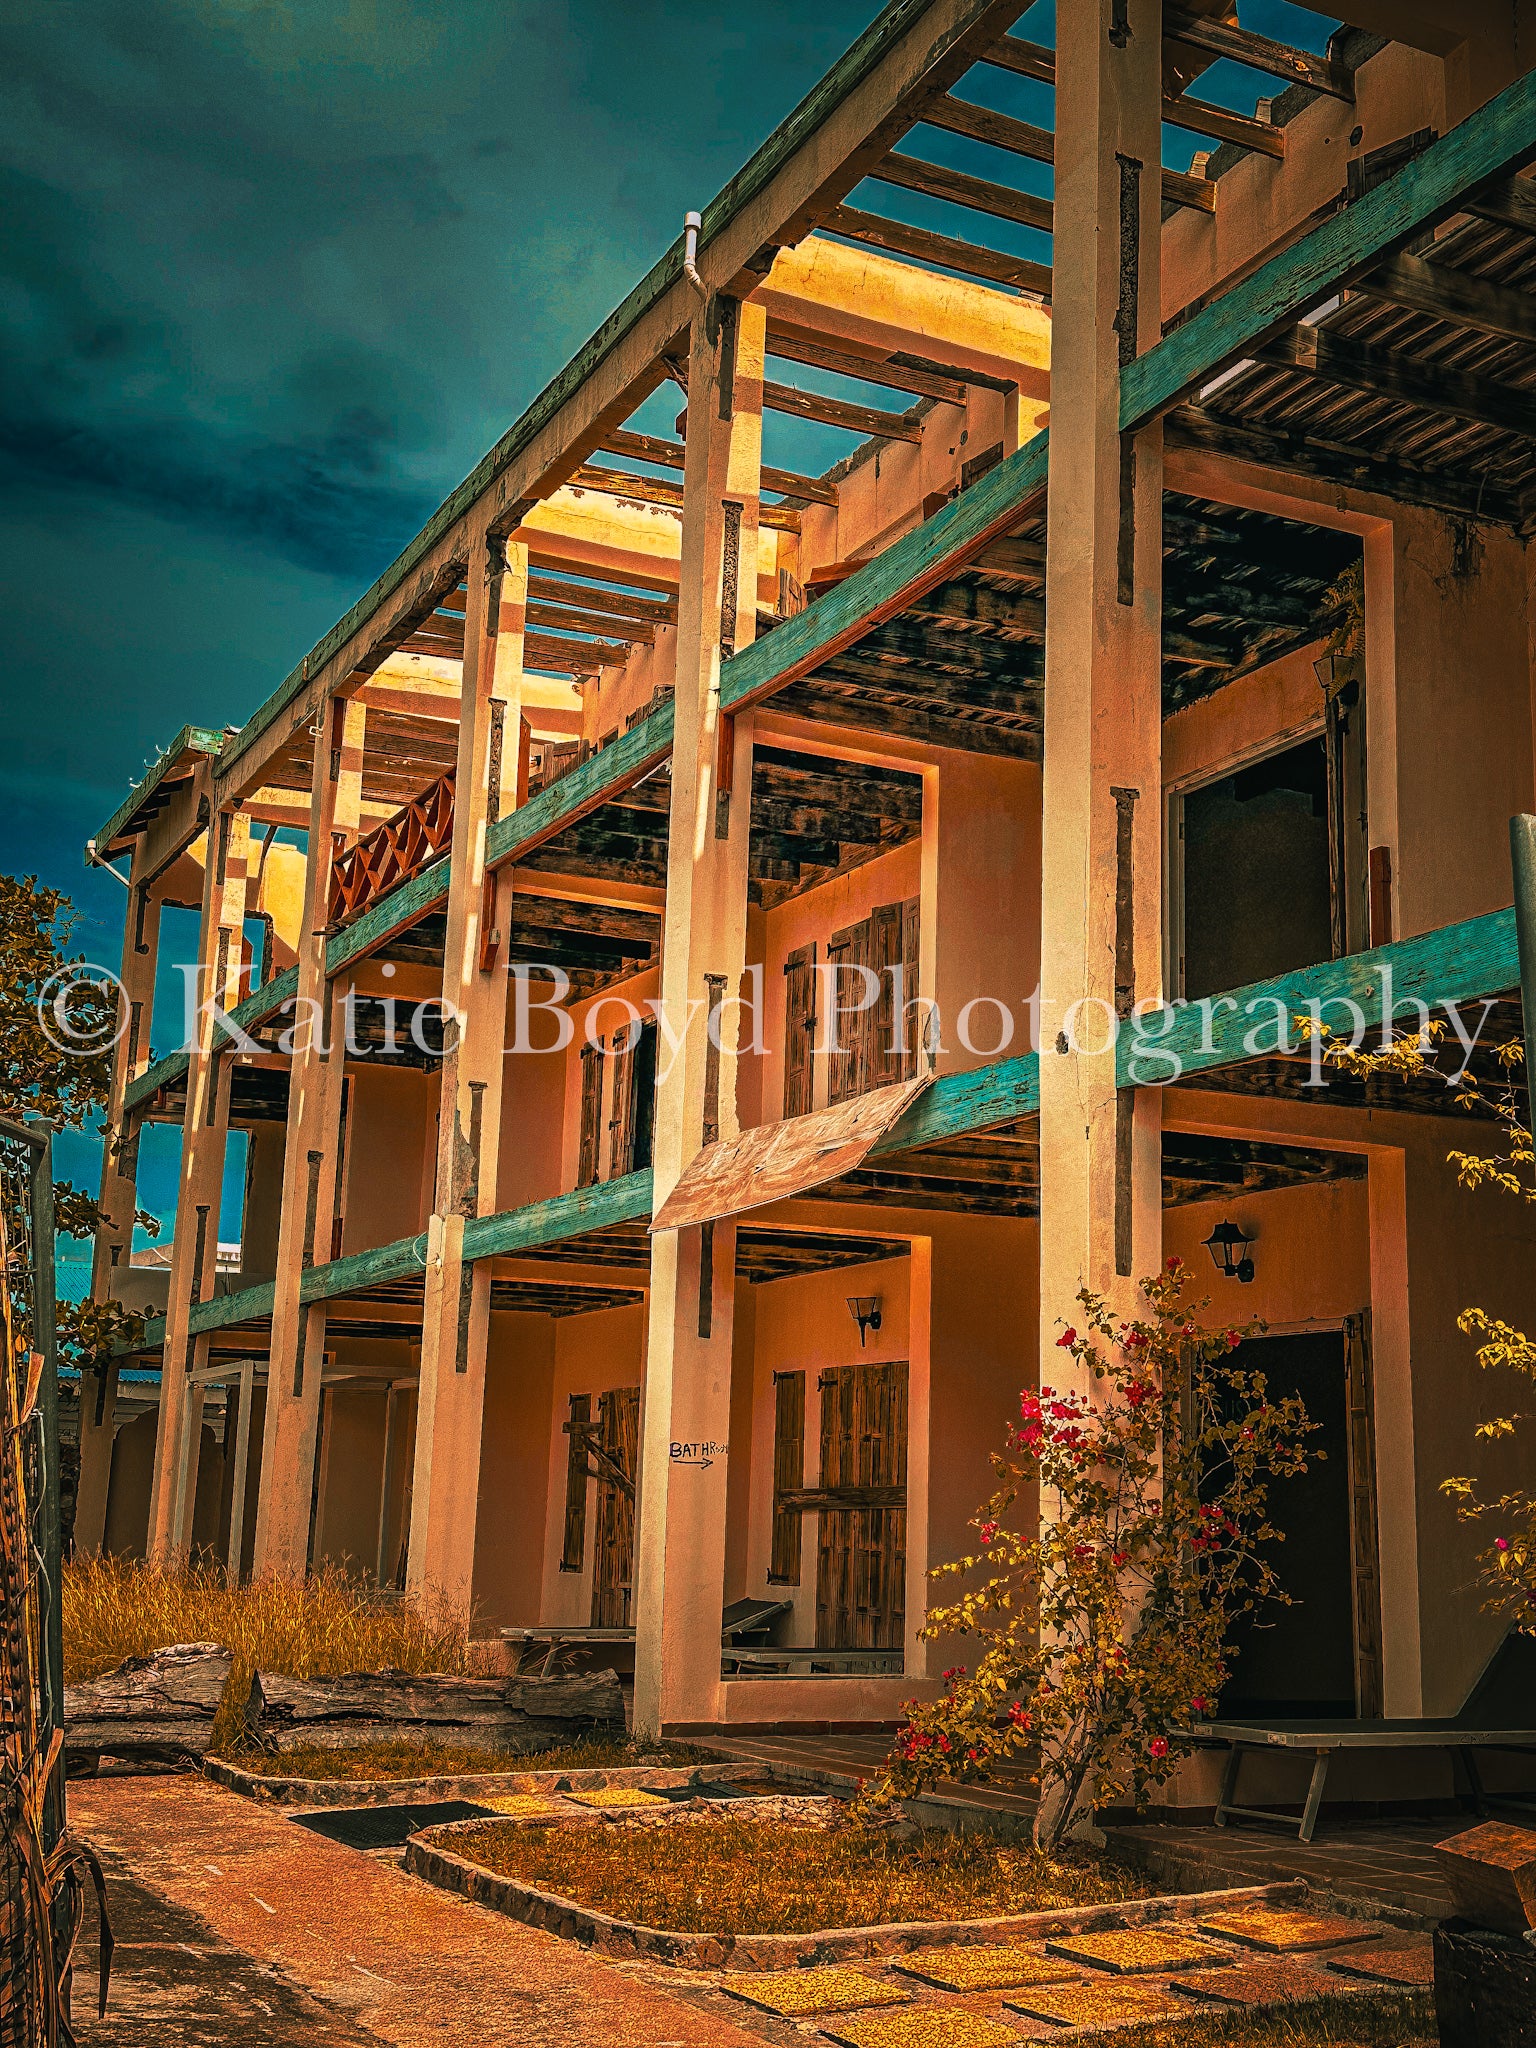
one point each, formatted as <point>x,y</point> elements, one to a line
<point>1034,60</point>
<point>940,252</point>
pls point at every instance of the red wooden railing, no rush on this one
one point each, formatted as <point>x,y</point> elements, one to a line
<point>392,852</point>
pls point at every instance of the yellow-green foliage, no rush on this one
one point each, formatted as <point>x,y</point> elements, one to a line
<point>319,1628</point>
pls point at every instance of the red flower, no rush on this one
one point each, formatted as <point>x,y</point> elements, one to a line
<point>988,1531</point>
<point>1158,1746</point>
<point>1136,1393</point>
<point>1200,1706</point>
<point>1067,1339</point>
<point>1501,1543</point>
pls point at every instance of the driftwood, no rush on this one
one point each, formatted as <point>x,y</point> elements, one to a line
<point>518,1714</point>
<point>158,1709</point>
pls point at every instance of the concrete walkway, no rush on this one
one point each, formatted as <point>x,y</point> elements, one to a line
<point>236,1926</point>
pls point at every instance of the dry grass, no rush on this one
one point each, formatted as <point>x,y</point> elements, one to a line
<point>317,1628</point>
<point>1329,2023</point>
<point>423,1758</point>
<point>764,1877</point>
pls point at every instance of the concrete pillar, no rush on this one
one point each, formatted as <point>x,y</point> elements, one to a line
<point>456,1310</point>
<point>1101,930</point>
<point>297,1344</point>
<point>119,1192</point>
<point>680,1541</point>
<point>205,1131</point>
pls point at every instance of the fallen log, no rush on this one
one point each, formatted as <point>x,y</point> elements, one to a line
<point>515,1714</point>
<point>158,1709</point>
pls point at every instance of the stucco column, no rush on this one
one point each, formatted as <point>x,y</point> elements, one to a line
<point>680,1549</point>
<point>309,1167</point>
<point>119,1191</point>
<point>1101,927</point>
<point>456,1318</point>
<point>205,1131</point>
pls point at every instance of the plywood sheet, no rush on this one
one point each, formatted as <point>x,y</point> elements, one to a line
<point>774,1161</point>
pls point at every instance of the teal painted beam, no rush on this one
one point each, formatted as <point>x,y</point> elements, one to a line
<point>192,739</point>
<point>1486,146</point>
<point>258,1006</point>
<point>626,1200</point>
<point>972,1101</point>
<point>622,762</point>
<point>895,576</point>
<point>171,1068</point>
<point>221,1310</point>
<point>1458,963</point>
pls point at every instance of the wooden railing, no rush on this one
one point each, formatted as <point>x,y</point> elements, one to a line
<point>393,852</point>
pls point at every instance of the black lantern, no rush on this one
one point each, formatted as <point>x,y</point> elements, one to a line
<point>1225,1245</point>
<point>865,1310</point>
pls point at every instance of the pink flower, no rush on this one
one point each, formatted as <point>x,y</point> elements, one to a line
<point>1158,1746</point>
<point>1501,1543</point>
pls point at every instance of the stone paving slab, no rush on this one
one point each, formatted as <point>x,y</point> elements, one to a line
<point>1139,1950</point>
<point>984,1969</point>
<point>1411,1964</point>
<point>929,2028</point>
<point>1276,1931</point>
<point>1101,2004</point>
<point>1267,1983</point>
<point>798,1994</point>
<point>406,1964</point>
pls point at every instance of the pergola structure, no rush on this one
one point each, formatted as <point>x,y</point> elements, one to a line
<point>1117,438</point>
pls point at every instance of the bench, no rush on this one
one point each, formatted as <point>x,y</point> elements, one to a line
<point>743,1623</point>
<point>1324,1740</point>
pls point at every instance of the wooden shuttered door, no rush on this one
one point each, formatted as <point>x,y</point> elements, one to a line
<point>878,1044</point>
<point>618,1445</point>
<point>788,1476</point>
<point>634,1093</point>
<point>861,1555</point>
<point>591,1114</point>
<point>1364,1534</point>
<point>573,1547</point>
<point>799,1029</point>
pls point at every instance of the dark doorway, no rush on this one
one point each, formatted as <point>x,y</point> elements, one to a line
<point>1255,861</point>
<point>1299,1661</point>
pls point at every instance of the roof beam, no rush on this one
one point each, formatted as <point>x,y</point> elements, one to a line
<point>982,195</point>
<point>1259,53</point>
<point>1451,295</point>
<point>671,454</point>
<point>840,412</point>
<point>943,252</point>
<point>1399,379</point>
<point>899,374</point>
<point>1023,138</point>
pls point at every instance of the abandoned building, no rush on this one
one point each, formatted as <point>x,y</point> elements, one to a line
<point>1150,621</point>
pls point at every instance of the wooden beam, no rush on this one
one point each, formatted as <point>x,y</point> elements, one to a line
<point>839,412</point>
<point>1354,467</point>
<point>1259,53</point>
<point>1453,296</point>
<point>1512,204</point>
<point>814,702</point>
<point>651,448</point>
<point>1388,374</point>
<point>625,603</point>
<point>982,195</point>
<point>1023,138</point>
<point>898,373</point>
<point>944,252</point>
<point>1033,60</point>
<point>655,490</point>
<point>558,616</point>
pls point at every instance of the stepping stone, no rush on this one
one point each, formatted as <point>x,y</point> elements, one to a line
<point>1131,1950</point>
<point>801,1994</point>
<point>1276,1930</point>
<point>618,1795</point>
<point>927,2027</point>
<point>1257,1984</point>
<point>1099,2005</point>
<point>523,1805</point>
<point>983,1969</point>
<point>1412,1964</point>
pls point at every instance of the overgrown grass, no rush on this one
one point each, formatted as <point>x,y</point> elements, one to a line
<point>1403,2022</point>
<point>765,1877</point>
<point>423,1758</point>
<point>316,1628</point>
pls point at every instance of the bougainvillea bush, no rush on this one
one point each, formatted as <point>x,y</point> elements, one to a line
<point>1128,1531</point>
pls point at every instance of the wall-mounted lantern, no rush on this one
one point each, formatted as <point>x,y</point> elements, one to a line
<point>865,1310</point>
<point>1225,1245</point>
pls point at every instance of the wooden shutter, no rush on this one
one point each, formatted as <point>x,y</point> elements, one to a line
<point>861,1542</point>
<point>618,1434</point>
<point>788,1476</point>
<point>591,1111</point>
<point>913,1032</point>
<point>848,1062</point>
<point>799,1029</point>
<point>621,1118</point>
<point>574,1546</point>
<point>1364,1533</point>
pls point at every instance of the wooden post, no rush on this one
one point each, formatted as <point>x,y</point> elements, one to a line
<point>1101,924</point>
<point>292,1415</point>
<point>119,1193</point>
<point>387,1463</point>
<point>205,1130</point>
<point>1522,853</point>
<point>242,1456</point>
<point>455,1322</point>
<point>680,1561</point>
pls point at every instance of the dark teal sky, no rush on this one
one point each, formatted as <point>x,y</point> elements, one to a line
<point>275,273</point>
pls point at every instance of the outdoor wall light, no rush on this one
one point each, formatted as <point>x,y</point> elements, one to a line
<point>865,1310</point>
<point>1225,1245</point>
